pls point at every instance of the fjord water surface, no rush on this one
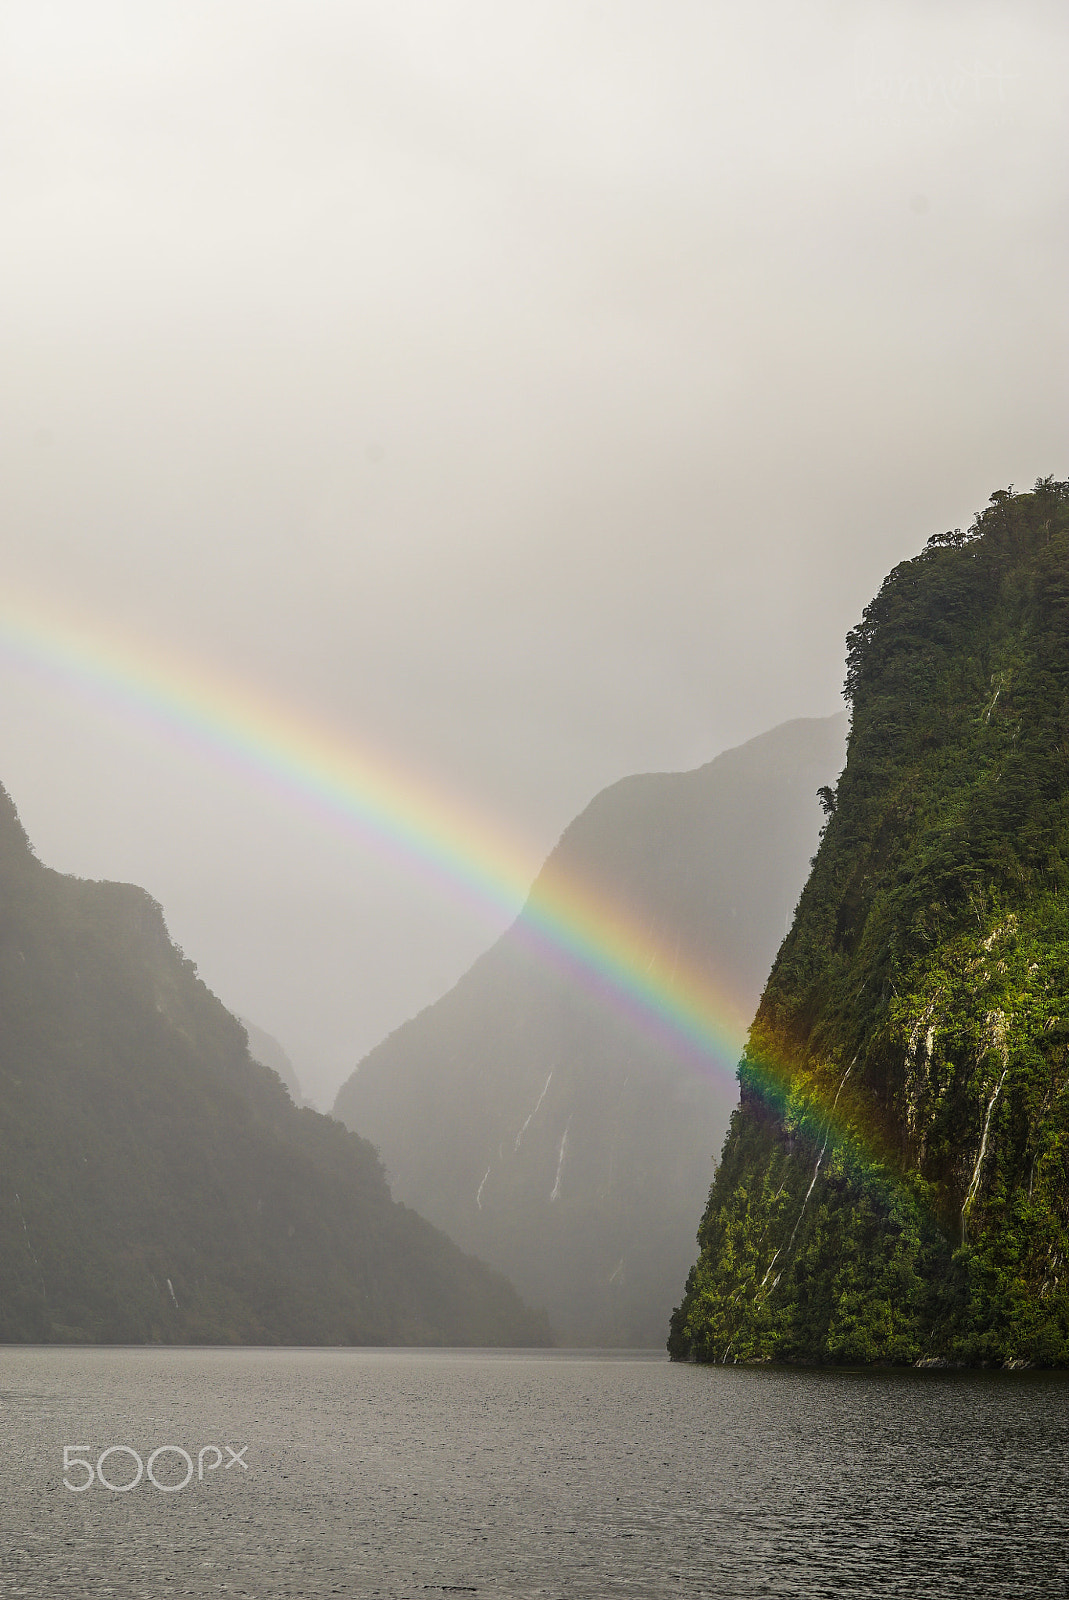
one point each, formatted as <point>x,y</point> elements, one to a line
<point>516,1475</point>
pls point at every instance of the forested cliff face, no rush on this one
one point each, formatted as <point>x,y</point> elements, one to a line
<point>894,1186</point>
<point>157,1184</point>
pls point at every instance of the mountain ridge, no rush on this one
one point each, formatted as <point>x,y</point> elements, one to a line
<point>541,1128</point>
<point>157,1184</point>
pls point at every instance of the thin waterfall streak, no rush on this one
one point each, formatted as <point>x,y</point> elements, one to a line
<point>835,1102</point>
<point>479,1190</point>
<point>975,1184</point>
<point>26,1231</point>
<point>764,1280</point>
<point>534,1113</point>
<point>812,1185</point>
<point>805,1202</point>
<point>560,1161</point>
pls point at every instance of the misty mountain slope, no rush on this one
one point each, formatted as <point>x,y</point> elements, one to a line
<point>549,1135</point>
<point>265,1048</point>
<point>895,1183</point>
<point>158,1184</point>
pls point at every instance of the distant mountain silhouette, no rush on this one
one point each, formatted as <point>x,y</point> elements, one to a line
<point>545,1133</point>
<point>157,1184</point>
<point>265,1048</point>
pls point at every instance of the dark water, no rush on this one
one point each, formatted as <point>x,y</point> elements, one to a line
<point>418,1474</point>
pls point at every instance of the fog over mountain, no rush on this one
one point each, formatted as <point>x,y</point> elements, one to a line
<point>159,1185</point>
<point>268,1051</point>
<point>522,395</point>
<point>531,1115</point>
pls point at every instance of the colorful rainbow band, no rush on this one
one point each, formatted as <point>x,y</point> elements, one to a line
<point>326,772</point>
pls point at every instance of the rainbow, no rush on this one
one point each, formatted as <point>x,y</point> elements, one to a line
<point>347,786</point>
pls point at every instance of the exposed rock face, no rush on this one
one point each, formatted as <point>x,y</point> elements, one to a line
<point>158,1184</point>
<point>895,1183</point>
<point>545,1131</point>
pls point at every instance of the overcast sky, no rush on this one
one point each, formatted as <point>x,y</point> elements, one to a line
<point>535,392</point>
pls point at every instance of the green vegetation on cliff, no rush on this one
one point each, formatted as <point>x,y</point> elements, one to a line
<point>157,1184</point>
<point>895,1183</point>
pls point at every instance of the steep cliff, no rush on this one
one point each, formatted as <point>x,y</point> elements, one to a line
<point>538,1126</point>
<point>157,1184</point>
<point>895,1183</point>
